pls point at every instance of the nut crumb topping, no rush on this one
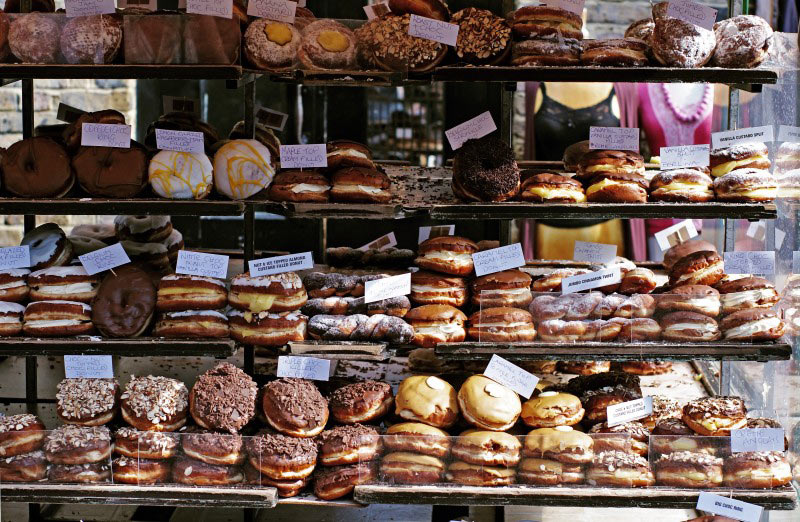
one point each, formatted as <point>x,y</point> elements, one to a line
<point>86,398</point>
<point>158,399</point>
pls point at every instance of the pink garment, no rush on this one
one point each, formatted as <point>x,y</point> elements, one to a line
<point>666,123</point>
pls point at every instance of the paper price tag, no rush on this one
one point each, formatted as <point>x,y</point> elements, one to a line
<point>758,262</point>
<point>757,230</point>
<point>201,264</point>
<point>271,119</point>
<point>498,259</point>
<point>304,156</point>
<point>280,10</point>
<point>591,280</point>
<point>106,135</point>
<point>426,233</point>
<point>511,376</point>
<point>68,113</point>
<point>629,411</point>
<point>382,243</point>
<point>180,141</point>
<point>104,259</point>
<point>386,288</point>
<point>574,6</point>
<point>15,257</point>
<point>220,8</point>
<point>685,156</point>
<point>436,30</point>
<point>152,5</point>
<point>594,252</point>
<point>304,368</point>
<point>281,264</point>
<point>789,133</point>
<point>614,138</point>
<point>728,507</point>
<point>721,140</point>
<point>676,234</point>
<point>88,367</point>
<point>89,7</point>
<point>697,14</point>
<point>757,439</point>
<point>180,104</point>
<point>377,10</point>
<point>477,127</point>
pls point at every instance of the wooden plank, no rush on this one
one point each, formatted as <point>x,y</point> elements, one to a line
<point>122,71</point>
<point>308,499</point>
<point>341,350</point>
<point>98,206</point>
<point>136,347</point>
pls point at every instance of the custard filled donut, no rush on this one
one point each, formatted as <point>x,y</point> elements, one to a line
<point>614,52</point>
<point>484,38</point>
<point>11,317</point>
<point>196,473</point>
<point>487,448</point>
<point>265,328</point>
<point>101,232</point>
<point>191,324</point>
<point>348,445</point>
<point>619,469</point>
<point>434,324</point>
<point>715,416</point>
<point>646,367</point>
<point>757,470</point>
<point>681,185</point>
<point>396,50</point>
<point>450,255</point>
<point>753,325</point>
<point>617,188</point>
<point>87,402</point>
<point>744,293</point>
<point>347,153</point>
<point>223,399</point>
<point>685,469</point>
<point>284,414</point>
<point>536,22</point>
<point>150,445</point>
<point>743,156</point>
<point>155,403</point>
<point>364,401</point>
<point>20,434</point>
<point>488,405</point>
<point>271,45</point>
<point>336,482</point>
<point>701,299</point>
<point>467,474</point>
<point>562,444</point>
<point>57,319</point>
<point>127,470</point>
<point>67,283</point>
<point>89,473</point>
<point>629,437</point>
<point>704,267</point>
<point>416,437</point>
<point>677,43</point>
<point>681,250</point>
<point>550,188</point>
<point>746,186</point>
<point>302,186</point>
<point>435,9</point>
<point>74,445</point>
<point>280,457</point>
<point>742,42</point>
<point>219,449</point>
<point>360,185</point>
<point>179,292</point>
<point>411,468</point>
<point>545,472</point>
<point>430,400</point>
<point>27,467</point>
<point>271,293</point>
<point>180,175</point>
<point>243,168</point>
<point>584,367</point>
<point>599,161</point>
<point>484,169</point>
<point>689,326</point>
<point>550,409</point>
<point>327,44</point>
<point>14,287</point>
<point>672,435</point>
<point>48,245</point>
<point>143,229</point>
<point>509,288</point>
<point>502,325</point>
<point>125,302</point>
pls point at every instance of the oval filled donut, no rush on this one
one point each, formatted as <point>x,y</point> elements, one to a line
<point>126,470</point>
<point>363,401</point>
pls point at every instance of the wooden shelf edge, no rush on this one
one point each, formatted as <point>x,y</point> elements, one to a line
<point>136,347</point>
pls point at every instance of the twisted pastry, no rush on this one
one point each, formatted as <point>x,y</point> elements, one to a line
<point>360,327</point>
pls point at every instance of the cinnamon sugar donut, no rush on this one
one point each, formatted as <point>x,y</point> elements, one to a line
<point>742,41</point>
<point>327,44</point>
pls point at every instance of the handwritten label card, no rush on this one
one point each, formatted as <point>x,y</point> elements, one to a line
<point>201,264</point>
<point>594,252</point>
<point>435,30</point>
<point>304,156</point>
<point>757,439</point>
<point>574,6</point>
<point>106,135</point>
<point>591,280</point>
<point>511,376</point>
<point>180,104</point>
<point>676,234</point>
<point>281,264</point>
<point>789,133</point>
<point>152,5</point>
<point>729,507</point>
<point>304,368</point>
<point>498,259</point>
<point>280,10</point>
<point>694,13</point>
<point>377,10</point>
<point>220,8</point>
<point>721,140</point>
<point>88,367</point>
<point>614,138</point>
<point>68,113</point>
<point>426,233</point>
<point>89,7</point>
<point>629,411</point>
<point>104,259</point>
<point>15,257</point>
<point>386,288</point>
<point>477,127</point>
<point>382,243</point>
<point>758,262</point>
<point>180,141</point>
<point>685,156</point>
<point>271,119</point>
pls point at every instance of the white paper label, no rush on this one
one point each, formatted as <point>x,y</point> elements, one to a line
<point>68,113</point>
<point>304,368</point>
<point>757,230</point>
<point>271,119</point>
<point>759,262</point>
<point>477,127</point>
<point>88,367</point>
<point>106,135</point>
<point>201,264</point>
<point>280,10</point>
<point>685,156</point>
<point>728,507</point>
<point>721,140</point>
<point>181,141</point>
<point>594,252</point>
<point>511,376</point>
<point>780,235</point>
<point>426,233</point>
<point>614,138</point>
<point>757,439</point>
<point>498,259</point>
<point>697,14</point>
<point>304,156</point>
<point>281,264</point>
<point>435,30</point>
<point>676,234</point>
<point>629,411</point>
<point>220,8</point>
<point>180,104</point>
<point>789,133</point>
<point>578,283</point>
<point>152,5</point>
<point>574,6</point>
<point>382,243</point>
<point>377,10</point>
<point>104,259</point>
<point>796,262</point>
<point>386,288</point>
<point>15,257</point>
<point>89,7</point>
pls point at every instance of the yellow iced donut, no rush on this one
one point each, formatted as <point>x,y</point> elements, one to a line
<point>242,168</point>
<point>181,175</point>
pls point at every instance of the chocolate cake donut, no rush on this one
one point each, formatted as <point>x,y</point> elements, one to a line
<point>484,169</point>
<point>125,302</point>
<point>37,168</point>
<point>111,172</point>
<point>223,399</point>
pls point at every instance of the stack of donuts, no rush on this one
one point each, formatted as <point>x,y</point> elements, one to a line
<point>189,306</point>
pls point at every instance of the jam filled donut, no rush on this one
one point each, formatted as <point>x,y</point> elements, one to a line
<point>87,402</point>
<point>365,401</point>
<point>430,400</point>
<point>57,319</point>
<point>487,448</point>
<point>11,317</point>
<point>179,292</point>
<point>20,434</point>
<point>223,399</point>
<point>196,473</point>
<point>348,445</point>
<point>685,469</point>
<point>219,449</point>
<point>339,481</point>
<point>27,467</point>
<point>715,416</point>
<point>143,229</point>
<point>286,415</point>
<point>271,293</point>
<point>280,457</point>
<point>125,302</point>
<point>155,403</point>
<point>416,437</point>
<point>127,470</point>
<point>37,168</point>
<point>67,283</point>
<point>488,405</point>
<point>89,473</point>
<point>74,445</point>
<point>149,445</point>
<point>13,285</point>
<point>484,169</point>
<point>619,469</point>
<point>48,245</point>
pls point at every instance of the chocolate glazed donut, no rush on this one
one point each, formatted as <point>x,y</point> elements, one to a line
<point>124,303</point>
<point>111,172</point>
<point>37,168</point>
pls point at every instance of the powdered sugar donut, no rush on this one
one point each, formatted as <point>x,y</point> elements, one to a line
<point>34,38</point>
<point>676,43</point>
<point>742,41</point>
<point>91,39</point>
<point>144,229</point>
<point>242,168</point>
<point>49,246</point>
<point>181,175</point>
<point>11,318</point>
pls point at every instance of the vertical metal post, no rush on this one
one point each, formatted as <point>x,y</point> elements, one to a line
<point>31,377</point>
<point>249,253</point>
<point>250,108</point>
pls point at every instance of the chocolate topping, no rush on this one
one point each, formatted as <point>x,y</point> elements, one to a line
<point>111,172</point>
<point>672,426</point>
<point>720,405</point>
<point>158,399</point>
<point>612,460</point>
<point>297,402</point>
<point>274,446</point>
<point>18,422</point>
<point>70,437</point>
<point>224,397</point>
<point>690,458</point>
<point>358,395</point>
<point>38,168</point>
<point>767,457</point>
<point>346,438</point>
<point>124,303</point>
<point>486,168</point>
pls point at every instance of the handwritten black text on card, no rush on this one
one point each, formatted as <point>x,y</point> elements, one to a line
<point>729,507</point>
<point>220,8</point>
<point>594,252</point>
<point>281,264</point>
<point>758,439</point>
<point>89,7</point>
<point>304,368</point>
<point>757,262</point>
<point>15,257</point>
<point>692,12</point>
<point>685,156</point>
<point>88,367</point>
<point>106,135</point>
<point>304,156</point>
<point>280,10</point>
<point>386,288</point>
<point>435,30</point>
<point>498,259</point>
<point>201,264</point>
<point>477,127</point>
<point>614,138</point>
<point>511,376</point>
<point>104,259</point>
<point>180,141</point>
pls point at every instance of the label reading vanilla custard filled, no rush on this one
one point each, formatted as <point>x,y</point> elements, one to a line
<point>498,259</point>
<point>281,264</point>
<point>304,368</point>
<point>721,140</point>
<point>280,10</point>
<point>629,411</point>
<point>685,156</point>
<point>692,12</point>
<point>477,127</point>
<point>89,7</point>
<point>201,264</point>
<point>88,367</point>
<point>15,257</point>
<point>511,376</point>
<point>435,30</point>
<point>614,138</point>
<point>220,8</point>
<point>729,507</point>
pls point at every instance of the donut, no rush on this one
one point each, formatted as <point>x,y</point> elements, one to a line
<point>646,367</point>
<point>597,392</point>
<point>619,469</point>
<point>180,175</point>
<point>640,29</point>
<point>328,284</point>
<point>191,324</point>
<point>101,232</point>
<point>451,255</point>
<point>174,244</point>
<point>57,319</point>
<point>487,448</point>
<point>416,437</point>
<point>143,229</point>
<point>66,283</point>
<point>614,52</point>
<point>73,445</point>
<point>34,38</point>
<point>271,293</point>
<point>618,162</point>
<point>501,325</point>
<point>561,443</point>
<point>483,37</point>
<point>127,470</point>
<point>360,185</point>
<point>280,457</point>
<point>26,467</point>
<point>364,401</point>
<point>154,403</point>
<point>365,45</point>
<point>396,50</point>
<point>271,45</point>
<point>753,325</point>
<point>265,328</point>
<point>48,246</point>
<point>338,481</point>
<point>629,437</point>
<point>411,468</point>
<point>484,169</point>
<point>20,434</point>
<point>432,288</point>
<point>741,294</point>
<point>536,22</point>
<point>223,399</point>
<point>84,245</point>
<point>286,415</point>
<point>583,367</point>
<point>91,39</point>
<point>617,188</point>
<point>87,402</point>
<point>701,299</point>
<point>715,416</point>
<point>111,172</point>
<point>535,53</point>
<point>636,306</point>
<point>149,445</point>
<point>218,449</point>
<point>544,472</point>
<point>347,153</point>
<point>467,474</point>
<point>124,304</point>
<point>37,168</point>
<point>681,185</point>
<point>151,257</point>
<point>551,188</point>
<point>704,267</point>
<point>434,324</point>
<point>746,186</point>
<point>11,318</point>
<point>327,44</point>
<point>286,488</point>
<point>435,9</point>
<point>550,409</point>
<point>685,469</point>
<point>196,473</point>
<point>180,292</point>
<point>429,400</point>
<point>348,444</point>
<point>671,435</point>
<point>488,405</point>
<point>663,408</point>
<point>742,156</point>
<point>509,288</point>
<point>242,168</point>
<point>743,42</point>
<point>13,285</point>
<point>73,133</point>
<point>89,473</point>
<point>677,43</point>
<point>757,470</point>
<point>302,186</point>
<point>552,281</point>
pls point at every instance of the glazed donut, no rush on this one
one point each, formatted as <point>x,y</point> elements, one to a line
<point>430,400</point>
<point>742,41</point>
<point>101,232</point>
<point>179,292</point>
<point>561,443</point>
<point>219,449</point>
<point>619,469</point>
<point>196,473</point>
<point>544,472</point>
<point>89,473</point>
<point>243,168</point>
<point>20,434</point>
<point>271,293</point>
<point>27,467</point>
<point>223,399</point>
<point>629,437</point>
<point>348,445</point>
<point>11,318</point>
<point>143,229</point>
<point>74,445</point>
<point>280,457</point>
<point>364,401</point>
<point>87,402</point>
<point>757,470</point>
<point>487,448</point>
<point>416,437</point>
<point>154,403</point>
<point>715,416</point>
<point>327,44</point>
<point>13,286</point>
<point>338,481</point>
<point>286,415</point>
<point>124,304</point>
<point>149,445</point>
<point>411,468</point>
<point>488,405</point>
<point>478,475</point>
<point>127,470</point>
<point>484,169</point>
<point>271,45</point>
<point>67,283</point>
<point>34,38</point>
<point>550,409</point>
<point>286,488</point>
<point>48,245</point>
<point>685,469</point>
<point>57,319</point>
<point>180,175</point>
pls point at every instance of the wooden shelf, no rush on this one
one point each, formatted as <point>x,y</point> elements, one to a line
<point>138,347</point>
<point>21,71</point>
<point>335,210</point>
<point>98,206</point>
<point>309,499</point>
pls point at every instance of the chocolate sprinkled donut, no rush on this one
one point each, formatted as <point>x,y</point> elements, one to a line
<point>484,169</point>
<point>363,401</point>
<point>288,414</point>
<point>223,398</point>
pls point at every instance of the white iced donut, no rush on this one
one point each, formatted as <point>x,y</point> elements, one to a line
<point>181,175</point>
<point>242,168</point>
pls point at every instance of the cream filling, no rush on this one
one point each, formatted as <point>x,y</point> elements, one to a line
<point>48,324</point>
<point>446,329</point>
<point>780,470</point>
<point>502,325</point>
<point>74,288</point>
<point>500,291</point>
<point>348,152</point>
<point>601,185</point>
<point>187,291</point>
<point>359,189</point>
<point>748,329</point>
<point>618,473</point>
<point>680,186</point>
<point>9,319</point>
<point>308,187</point>
<point>703,302</point>
<point>444,255</point>
<point>424,288</point>
<point>737,298</point>
<point>258,302</point>
<point>703,328</point>
<point>251,332</point>
<point>771,192</point>
<point>548,193</point>
<point>698,274</point>
<point>695,476</point>
<point>610,168</point>
<point>680,444</point>
<point>12,284</point>
<point>724,168</point>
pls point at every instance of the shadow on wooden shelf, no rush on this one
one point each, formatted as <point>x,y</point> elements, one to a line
<point>100,206</point>
<point>122,71</point>
<point>136,347</point>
